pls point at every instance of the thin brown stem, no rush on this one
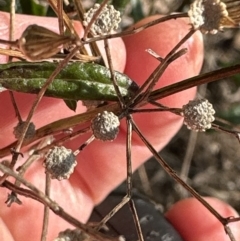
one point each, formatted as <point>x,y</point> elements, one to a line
<point>46,209</point>
<point>171,56</point>
<point>12,20</point>
<point>41,197</point>
<point>141,95</point>
<point>67,21</point>
<point>22,169</point>
<point>135,30</point>
<point>84,145</point>
<point>94,17</point>
<point>10,43</point>
<point>63,124</point>
<point>93,46</point>
<point>112,213</point>
<point>173,110</point>
<point>14,103</point>
<point>41,93</point>
<point>136,220</point>
<point>229,233</point>
<point>129,177</point>
<point>174,175</point>
<point>229,132</point>
<point>80,9</point>
<point>128,156</point>
<point>194,81</point>
<point>110,64</point>
<point>13,53</point>
<point>34,107</point>
<point>62,140</point>
<point>60,19</point>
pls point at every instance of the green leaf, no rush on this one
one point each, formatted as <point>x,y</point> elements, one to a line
<point>33,8</point>
<point>77,81</point>
<point>71,104</point>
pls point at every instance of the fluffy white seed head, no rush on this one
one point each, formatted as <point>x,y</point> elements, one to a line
<point>72,235</point>
<point>207,15</point>
<point>107,21</point>
<point>198,115</point>
<point>60,162</point>
<point>105,126</point>
<point>17,130</point>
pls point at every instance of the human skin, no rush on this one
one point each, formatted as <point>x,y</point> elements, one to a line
<point>102,166</point>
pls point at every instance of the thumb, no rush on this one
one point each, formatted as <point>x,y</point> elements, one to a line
<point>203,225</point>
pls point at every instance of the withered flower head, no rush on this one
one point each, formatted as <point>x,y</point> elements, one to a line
<point>211,16</point>
<point>38,43</point>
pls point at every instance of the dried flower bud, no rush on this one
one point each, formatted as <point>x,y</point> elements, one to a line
<point>60,162</point>
<point>72,235</point>
<point>208,15</point>
<point>105,126</point>
<point>17,131</point>
<point>198,115</point>
<point>106,21</point>
<point>38,43</point>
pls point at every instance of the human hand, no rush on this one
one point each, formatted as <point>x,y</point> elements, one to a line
<point>102,166</point>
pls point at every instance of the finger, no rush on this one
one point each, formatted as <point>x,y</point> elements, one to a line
<point>162,38</point>
<point>195,223</point>
<point>17,218</point>
<point>101,166</point>
<point>158,127</point>
<point>55,109</point>
<point>5,233</point>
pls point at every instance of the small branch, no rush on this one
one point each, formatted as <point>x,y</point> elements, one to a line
<point>46,209</point>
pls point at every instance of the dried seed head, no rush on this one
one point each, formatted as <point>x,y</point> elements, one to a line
<point>208,15</point>
<point>38,43</point>
<point>105,126</point>
<point>198,115</point>
<point>60,162</point>
<point>17,130</point>
<point>106,21</point>
<point>72,235</point>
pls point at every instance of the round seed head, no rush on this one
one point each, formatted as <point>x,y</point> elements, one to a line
<point>105,126</point>
<point>60,162</point>
<point>106,21</point>
<point>207,15</point>
<point>198,115</point>
<point>71,235</point>
<point>17,130</point>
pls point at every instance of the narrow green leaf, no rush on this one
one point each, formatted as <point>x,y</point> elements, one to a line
<point>77,81</point>
<point>71,104</point>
